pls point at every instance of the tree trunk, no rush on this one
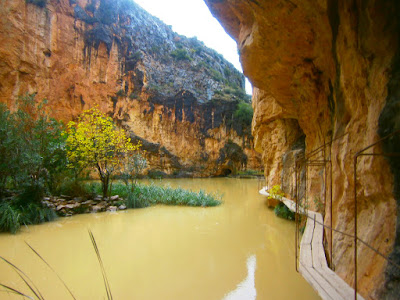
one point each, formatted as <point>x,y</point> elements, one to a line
<point>105,179</point>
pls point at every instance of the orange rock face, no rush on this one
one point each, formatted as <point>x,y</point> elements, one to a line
<point>325,70</point>
<point>80,54</point>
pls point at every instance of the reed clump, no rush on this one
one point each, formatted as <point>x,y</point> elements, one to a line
<point>141,195</point>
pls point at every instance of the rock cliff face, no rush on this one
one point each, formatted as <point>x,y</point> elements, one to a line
<point>172,93</point>
<point>327,72</point>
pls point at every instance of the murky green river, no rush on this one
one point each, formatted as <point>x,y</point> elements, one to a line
<point>238,250</point>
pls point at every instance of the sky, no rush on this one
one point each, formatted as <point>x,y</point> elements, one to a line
<point>192,18</point>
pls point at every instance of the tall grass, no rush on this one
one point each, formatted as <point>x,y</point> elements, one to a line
<point>9,218</point>
<point>146,195</point>
<point>33,288</point>
<point>13,216</point>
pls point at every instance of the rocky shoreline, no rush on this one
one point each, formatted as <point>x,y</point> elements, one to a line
<point>66,206</point>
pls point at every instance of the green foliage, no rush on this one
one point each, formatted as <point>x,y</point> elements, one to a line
<point>232,151</point>
<point>136,56</point>
<point>35,214</point>
<point>133,165</point>
<point>9,218</point>
<point>156,174</point>
<point>180,54</point>
<point>13,215</point>
<point>244,114</point>
<point>95,142</point>
<point>9,141</point>
<point>282,211</point>
<point>152,194</point>
<point>146,195</point>
<point>74,187</point>
<point>121,93</point>
<point>227,71</point>
<point>31,146</point>
<point>249,172</point>
<point>32,193</point>
<point>217,76</point>
<point>275,192</point>
<point>155,49</point>
<point>319,205</point>
<point>132,96</point>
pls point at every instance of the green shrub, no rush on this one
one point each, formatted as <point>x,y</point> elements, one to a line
<point>121,93</point>
<point>74,188</point>
<point>36,214</point>
<point>32,193</point>
<point>180,54</point>
<point>13,215</point>
<point>9,218</point>
<point>282,211</point>
<point>156,174</point>
<point>217,76</point>
<point>243,114</point>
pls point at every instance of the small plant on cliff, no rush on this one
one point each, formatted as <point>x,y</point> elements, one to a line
<point>244,114</point>
<point>319,205</point>
<point>275,192</point>
<point>95,142</point>
<point>180,54</point>
<point>121,93</point>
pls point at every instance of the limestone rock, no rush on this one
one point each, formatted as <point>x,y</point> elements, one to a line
<point>114,198</point>
<point>112,208</point>
<point>171,92</point>
<point>328,70</point>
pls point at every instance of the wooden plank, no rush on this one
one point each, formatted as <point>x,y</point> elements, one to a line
<point>306,255</point>
<point>319,259</point>
<point>314,283</point>
<point>321,286</point>
<point>312,262</point>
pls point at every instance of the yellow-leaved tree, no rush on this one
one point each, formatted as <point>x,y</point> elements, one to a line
<point>95,142</point>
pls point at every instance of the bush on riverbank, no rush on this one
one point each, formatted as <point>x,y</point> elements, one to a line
<point>282,211</point>
<point>12,216</point>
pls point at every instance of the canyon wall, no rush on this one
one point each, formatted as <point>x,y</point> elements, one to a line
<point>326,76</point>
<point>178,97</point>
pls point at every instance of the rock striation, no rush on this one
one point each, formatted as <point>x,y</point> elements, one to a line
<point>171,92</point>
<point>327,73</point>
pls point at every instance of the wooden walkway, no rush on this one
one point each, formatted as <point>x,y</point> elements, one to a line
<point>312,263</point>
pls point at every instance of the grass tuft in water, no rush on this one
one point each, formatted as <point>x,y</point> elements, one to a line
<point>12,216</point>
<point>145,195</point>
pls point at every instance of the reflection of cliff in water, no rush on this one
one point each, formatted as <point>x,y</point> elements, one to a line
<point>246,289</point>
